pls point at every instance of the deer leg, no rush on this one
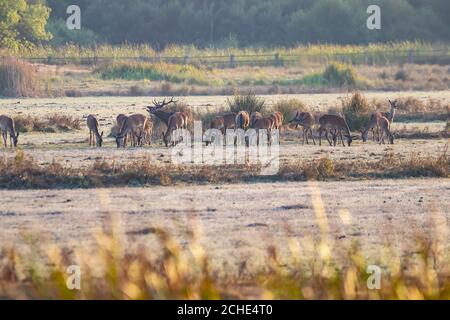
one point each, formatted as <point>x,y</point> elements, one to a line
<point>381,140</point>
<point>320,137</point>
<point>342,139</point>
<point>90,137</point>
<point>312,136</point>
<point>5,136</point>
<point>326,136</point>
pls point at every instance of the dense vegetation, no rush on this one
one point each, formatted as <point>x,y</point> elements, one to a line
<point>232,23</point>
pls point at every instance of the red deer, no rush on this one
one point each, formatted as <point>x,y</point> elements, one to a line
<point>92,124</point>
<point>307,121</point>
<point>7,126</point>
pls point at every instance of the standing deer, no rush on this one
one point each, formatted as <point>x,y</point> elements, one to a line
<point>390,115</point>
<point>335,124</point>
<point>162,115</point>
<point>242,120</point>
<point>134,124</point>
<point>377,120</point>
<point>306,120</point>
<point>148,132</point>
<point>176,121</point>
<point>7,126</point>
<point>92,124</point>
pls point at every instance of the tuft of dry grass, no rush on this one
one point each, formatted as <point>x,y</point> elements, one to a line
<point>289,107</point>
<point>18,78</point>
<point>246,102</point>
<point>22,172</point>
<point>52,123</point>
<point>356,111</point>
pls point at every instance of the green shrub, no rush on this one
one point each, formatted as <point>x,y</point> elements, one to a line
<point>337,74</point>
<point>401,75</point>
<point>356,111</point>
<point>153,71</point>
<point>249,102</point>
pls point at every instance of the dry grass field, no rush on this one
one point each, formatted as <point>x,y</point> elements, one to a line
<point>380,196</point>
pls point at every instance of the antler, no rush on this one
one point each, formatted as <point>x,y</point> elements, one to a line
<point>163,103</point>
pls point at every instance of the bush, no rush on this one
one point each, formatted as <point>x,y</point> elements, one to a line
<point>289,107</point>
<point>338,74</point>
<point>52,123</point>
<point>356,111</point>
<point>17,78</point>
<point>401,75</point>
<point>249,102</point>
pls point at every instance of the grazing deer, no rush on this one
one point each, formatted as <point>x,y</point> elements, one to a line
<point>229,120</point>
<point>7,126</point>
<point>253,117</point>
<point>217,123</point>
<point>335,124</point>
<point>134,124</point>
<point>120,119</point>
<point>278,119</point>
<point>377,120</point>
<point>176,121</point>
<point>242,120</point>
<point>92,124</point>
<point>307,121</point>
<point>264,123</point>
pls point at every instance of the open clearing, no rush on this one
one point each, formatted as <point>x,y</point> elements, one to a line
<point>238,221</point>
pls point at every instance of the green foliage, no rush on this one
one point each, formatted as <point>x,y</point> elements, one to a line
<point>248,102</point>
<point>22,23</point>
<point>356,111</point>
<point>337,74</point>
<point>153,71</point>
<point>225,24</point>
<point>62,35</point>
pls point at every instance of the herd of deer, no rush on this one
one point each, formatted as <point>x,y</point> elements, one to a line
<point>138,128</point>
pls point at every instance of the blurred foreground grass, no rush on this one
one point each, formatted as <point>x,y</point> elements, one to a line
<point>174,270</point>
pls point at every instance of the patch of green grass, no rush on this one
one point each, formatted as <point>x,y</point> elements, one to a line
<point>175,73</point>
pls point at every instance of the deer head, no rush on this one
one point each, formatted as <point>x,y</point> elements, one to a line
<point>393,103</point>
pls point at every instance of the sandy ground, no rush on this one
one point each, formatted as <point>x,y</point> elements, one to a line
<point>238,222</point>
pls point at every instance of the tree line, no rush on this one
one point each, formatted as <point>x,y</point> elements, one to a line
<point>233,23</point>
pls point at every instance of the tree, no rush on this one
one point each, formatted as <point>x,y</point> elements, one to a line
<point>22,23</point>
